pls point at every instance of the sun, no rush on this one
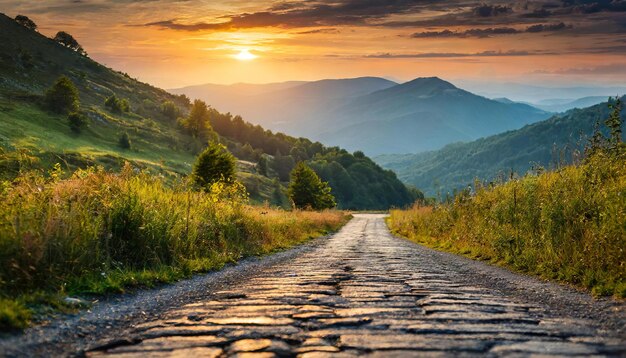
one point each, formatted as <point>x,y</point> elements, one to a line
<point>245,55</point>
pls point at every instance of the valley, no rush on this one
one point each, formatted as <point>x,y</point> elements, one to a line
<point>312,178</point>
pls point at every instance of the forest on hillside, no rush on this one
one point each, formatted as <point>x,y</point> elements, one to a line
<point>116,118</point>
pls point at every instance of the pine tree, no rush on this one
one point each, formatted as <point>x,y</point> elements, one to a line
<point>213,164</point>
<point>62,97</point>
<point>307,191</point>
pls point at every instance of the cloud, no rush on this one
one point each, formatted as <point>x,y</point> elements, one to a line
<point>309,14</point>
<point>485,10</point>
<point>174,25</point>
<point>492,31</point>
<point>319,31</point>
<point>458,55</point>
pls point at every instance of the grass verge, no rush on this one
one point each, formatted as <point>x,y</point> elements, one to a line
<point>99,232</point>
<point>568,225</point>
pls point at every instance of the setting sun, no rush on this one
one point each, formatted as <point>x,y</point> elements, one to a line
<point>245,55</point>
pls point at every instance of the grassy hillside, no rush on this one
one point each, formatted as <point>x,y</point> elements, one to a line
<point>30,63</point>
<point>98,232</point>
<point>566,225</point>
<point>549,144</point>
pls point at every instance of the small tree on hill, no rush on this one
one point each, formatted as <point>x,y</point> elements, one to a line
<point>117,105</point>
<point>197,123</point>
<point>62,97</point>
<point>69,41</point>
<point>124,141</point>
<point>170,110</point>
<point>76,121</point>
<point>215,163</point>
<point>307,190</point>
<point>614,122</point>
<point>26,22</point>
<point>262,166</point>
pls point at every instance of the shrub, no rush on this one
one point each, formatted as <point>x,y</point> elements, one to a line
<point>76,121</point>
<point>566,225</point>
<point>124,141</point>
<point>69,41</point>
<point>215,163</point>
<point>170,110</point>
<point>26,22</point>
<point>62,97</point>
<point>97,232</point>
<point>306,190</point>
<point>117,105</point>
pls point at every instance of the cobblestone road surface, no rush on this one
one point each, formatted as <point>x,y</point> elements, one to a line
<point>362,292</point>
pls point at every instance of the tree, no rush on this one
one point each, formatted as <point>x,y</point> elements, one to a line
<point>26,22</point>
<point>215,163</point>
<point>62,97</point>
<point>614,122</point>
<point>69,41</point>
<point>117,105</point>
<point>170,110</point>
<point>76,121</point>
<point>197,123</point>
<point>262,166</point>
<point>124,141</point>
<point>283,164</point>
<point>307,190</point>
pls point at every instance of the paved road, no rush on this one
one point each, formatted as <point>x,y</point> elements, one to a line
<point>364,291</point>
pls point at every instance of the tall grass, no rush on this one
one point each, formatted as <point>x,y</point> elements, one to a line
<point>99,231</point>
<point>568,225</point>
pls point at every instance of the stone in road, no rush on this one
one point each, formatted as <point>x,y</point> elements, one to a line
<point>363,292</point>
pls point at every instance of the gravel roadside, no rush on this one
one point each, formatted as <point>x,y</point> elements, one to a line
<point>114,315</point>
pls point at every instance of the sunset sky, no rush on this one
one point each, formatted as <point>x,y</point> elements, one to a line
<point>184,42</point>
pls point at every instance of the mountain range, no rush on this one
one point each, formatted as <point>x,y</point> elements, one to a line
<point>33,136</point>
<point>546,144</point>
<point>372,114</point>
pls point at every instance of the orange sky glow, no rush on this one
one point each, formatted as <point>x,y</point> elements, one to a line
<point>177,43</point>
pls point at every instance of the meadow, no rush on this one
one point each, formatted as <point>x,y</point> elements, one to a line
<point>97,232</point>
<point>568,225</point>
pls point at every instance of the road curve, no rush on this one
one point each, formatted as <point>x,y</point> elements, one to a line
<point>364,291</point>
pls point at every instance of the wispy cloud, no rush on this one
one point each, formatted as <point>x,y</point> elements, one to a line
<point>492,31</point>
<point>458,55</point>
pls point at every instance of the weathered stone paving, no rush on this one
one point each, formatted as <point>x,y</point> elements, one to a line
<point>362,292</point>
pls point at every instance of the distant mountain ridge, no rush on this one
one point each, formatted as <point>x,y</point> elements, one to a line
<point>539,144</point>
<point>379,116</point>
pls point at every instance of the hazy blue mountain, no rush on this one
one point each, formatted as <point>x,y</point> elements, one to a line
<point>285,106</point>
<point>526,93</point>
<point>372,114</point>
<point>457,165</point>
<point>562,105</point>
<point>423,114</point>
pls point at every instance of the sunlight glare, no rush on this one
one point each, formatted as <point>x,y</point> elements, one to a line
<point>245,55</point>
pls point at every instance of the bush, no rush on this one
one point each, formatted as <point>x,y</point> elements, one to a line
<point>26,22</point>
<point>98,232</point>
<point>117,105</point>
<point>124,141</point>
<point>170,110</point>
<point>215,163</point>
<point>62,97</point>
<point>307,191</point>
<point>566,225</point>
<point>67,40</point>
<point>76,121</point>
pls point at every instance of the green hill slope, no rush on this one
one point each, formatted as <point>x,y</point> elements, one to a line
<point>549,143</point>
<point>30,63</point>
